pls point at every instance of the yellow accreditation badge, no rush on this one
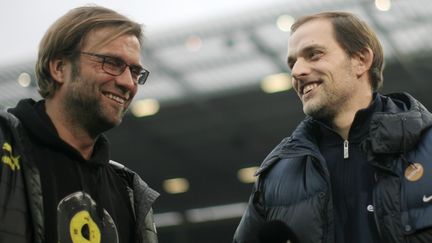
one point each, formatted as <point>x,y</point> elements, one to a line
<point>414,172</point>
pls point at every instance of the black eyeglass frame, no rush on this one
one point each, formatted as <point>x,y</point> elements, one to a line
<point>120,65</point>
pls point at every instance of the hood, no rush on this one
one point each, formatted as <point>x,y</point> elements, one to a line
<point>398,128</point>
<point>40,127</point>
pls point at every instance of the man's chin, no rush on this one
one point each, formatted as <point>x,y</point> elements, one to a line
<point>108,122</point>
<point>319,113</point>
<point>311,110</point>
<point>115,121</point>
<point>115,118</point>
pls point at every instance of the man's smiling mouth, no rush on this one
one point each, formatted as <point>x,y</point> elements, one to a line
<point>116,98</point>
<point>309,87</point>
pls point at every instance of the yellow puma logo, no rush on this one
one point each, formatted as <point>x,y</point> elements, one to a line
<point>8,157</point>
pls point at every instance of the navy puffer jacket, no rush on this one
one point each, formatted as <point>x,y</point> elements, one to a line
<point>293,181</point>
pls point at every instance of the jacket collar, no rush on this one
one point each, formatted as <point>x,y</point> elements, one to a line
<point>396,129</point>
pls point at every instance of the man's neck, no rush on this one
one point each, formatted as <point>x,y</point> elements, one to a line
<point>69,131</point>
<point>345,118</point>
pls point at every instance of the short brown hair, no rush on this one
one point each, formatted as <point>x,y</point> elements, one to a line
<point>65,38</point>
<point>354,35</point>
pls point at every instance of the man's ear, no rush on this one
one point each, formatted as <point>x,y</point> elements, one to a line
<point>58,69</point>
<point>364,60</point>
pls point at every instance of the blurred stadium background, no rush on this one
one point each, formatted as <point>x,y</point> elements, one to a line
<point>218,99</point>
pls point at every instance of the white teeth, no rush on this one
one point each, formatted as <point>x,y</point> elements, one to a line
<point>309,87</point>
<point>116,98</point>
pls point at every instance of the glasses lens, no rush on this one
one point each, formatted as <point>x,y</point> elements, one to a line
<point>113,66</point>
<point>143,77</point>
<point>116,66</point>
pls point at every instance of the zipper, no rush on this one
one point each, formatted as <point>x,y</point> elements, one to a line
<point>346,149</point>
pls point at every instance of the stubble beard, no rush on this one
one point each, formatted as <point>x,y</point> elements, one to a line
<point>321,109</point>
<point>330,103</point>
<point>83,106</point>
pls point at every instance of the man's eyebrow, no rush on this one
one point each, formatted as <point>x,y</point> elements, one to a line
<point>137,65</point>
<point>291,60</point>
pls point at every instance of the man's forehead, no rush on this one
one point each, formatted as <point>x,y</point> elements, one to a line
<point>101,37</point>
<point>310,33</point>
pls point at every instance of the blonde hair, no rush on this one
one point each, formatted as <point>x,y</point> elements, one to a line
<point>65,38</point>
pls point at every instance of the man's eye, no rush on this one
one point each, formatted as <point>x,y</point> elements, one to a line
<point>315,54</point>
<point>135,71</point>
<point>112,62</point>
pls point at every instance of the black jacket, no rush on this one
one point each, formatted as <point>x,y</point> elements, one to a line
<point>21,202</point>
<point>293,181</point>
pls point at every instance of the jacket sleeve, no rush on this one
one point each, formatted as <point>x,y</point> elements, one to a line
<point>150,235</point>
<point>142,197</point>
<point>14,212</point>
<point>252,220</point>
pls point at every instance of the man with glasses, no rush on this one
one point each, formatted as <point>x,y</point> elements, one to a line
<point>57,182</point>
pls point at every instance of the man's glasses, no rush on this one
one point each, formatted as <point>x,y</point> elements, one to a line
<point>116,66</point>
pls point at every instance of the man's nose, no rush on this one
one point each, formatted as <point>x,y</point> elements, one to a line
<point>126,80</point>
<point>300,68</point>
